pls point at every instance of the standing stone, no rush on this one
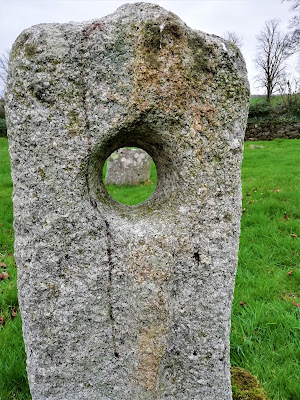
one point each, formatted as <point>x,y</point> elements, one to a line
<point>123,302</point>
<point>128,167</point>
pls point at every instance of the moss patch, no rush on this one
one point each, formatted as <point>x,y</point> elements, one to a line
<point>245,386</point>
<point>30,49</point>
<point>42,174</point>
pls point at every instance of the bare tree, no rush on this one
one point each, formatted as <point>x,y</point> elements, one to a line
<point>295,7</point>
<point>274,48</point>
<point>295,21</point>
<point>3,71</point>
<point>234,38</point>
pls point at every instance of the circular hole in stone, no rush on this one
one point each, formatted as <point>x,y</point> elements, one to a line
<point>129,175</point>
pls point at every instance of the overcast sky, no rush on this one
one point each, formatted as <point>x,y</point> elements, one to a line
<point>244,17</point>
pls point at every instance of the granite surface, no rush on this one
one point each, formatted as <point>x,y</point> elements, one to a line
<point>123,302</point>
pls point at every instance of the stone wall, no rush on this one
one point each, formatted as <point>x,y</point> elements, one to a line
<point>272,130</point>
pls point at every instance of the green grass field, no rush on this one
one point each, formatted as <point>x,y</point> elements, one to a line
<point>275,100</point>
<point>265,317</point>
<point>13,378</point>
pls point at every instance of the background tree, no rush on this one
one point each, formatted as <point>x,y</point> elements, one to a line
<point>274,48</point>
<point>295,21</point>
<point>295,27</point>
<point>234,38</point>
<point>3,71</point>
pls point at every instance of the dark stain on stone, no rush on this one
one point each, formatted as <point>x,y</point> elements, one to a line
<point>42,174</point>
<point>97,25</point>
<point>173,29</point>
<point>30,49</point>
<point>196,257</point>
<point>152,36</point>
<point>227,217</point>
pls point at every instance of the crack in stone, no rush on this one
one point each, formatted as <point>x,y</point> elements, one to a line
<point>111,267</point>
<point>109,288</point>
<point>82,49</point>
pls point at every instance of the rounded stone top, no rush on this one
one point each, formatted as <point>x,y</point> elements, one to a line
<point>118,301</point>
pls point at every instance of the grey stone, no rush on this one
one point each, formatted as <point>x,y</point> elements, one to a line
<point>252,146</point>
<point>123,302</point>
<point>128,167</point>
<point>271,130</point>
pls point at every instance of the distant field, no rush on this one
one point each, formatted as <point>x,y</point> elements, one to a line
<point>280,109</point>
<point>265,317</point>
<point>275,100</point>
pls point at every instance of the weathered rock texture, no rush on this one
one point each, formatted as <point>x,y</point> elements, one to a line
<point>123,302</point>
<point>128,167</point>
<point>270,131</point>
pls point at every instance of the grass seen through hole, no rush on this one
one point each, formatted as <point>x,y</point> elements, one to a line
<point>132,195</point>
<point>265,316</point>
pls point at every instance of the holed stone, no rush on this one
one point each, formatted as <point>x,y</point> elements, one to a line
<point>123,302</point>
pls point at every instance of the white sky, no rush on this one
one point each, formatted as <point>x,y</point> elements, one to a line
<point>244,17</point>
